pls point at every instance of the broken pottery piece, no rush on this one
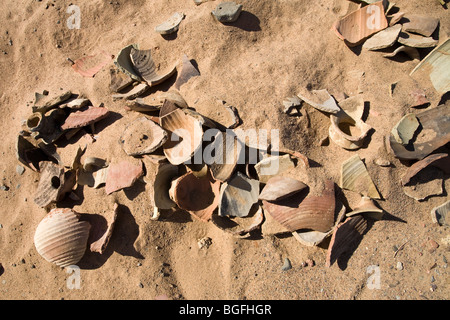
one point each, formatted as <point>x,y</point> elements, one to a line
<point>146,68</point>
<point>405,129</point>
<point>100,177</point>
<point>119,80</point>
<point>122,175</point>
<point>416,41</point>
<point>440,214</point>
<point>291,105</point>
<point>278,188</point>
<point>61,237</point>
<point>140,105</point>
<point>240,227</point>
<point>185,136</point>
<point>383,39</point>
<point>92,163</point>
<point>227,11</point>
<point>354,177</point>
<point>188,71</point>
<point>171,25</point>
<point>367,208</point>
<point>423,25</point>
<point>396,17</point>
<point>361,24</point>
<point>238,195</point>
<point>43,105</point>
<point>421,164</point>
<point>101,232</point>
<point>197,195</point>
<point>89,66</point>
<point>85,117</point>
<point>321,100</point>
<point>426,183</point>
<point>313,211</point>
<point>411,52</point>
<point>345,236</point>
<point>47,126</point>
<point>223,154</point>
<point>137,91</point>
<point>76,103</point>
<point>436,67</point>
<point>125,64</point>
<point>434,133</point>
<point>166,173</point>
<point>142,136</point>
<point>272,166</point>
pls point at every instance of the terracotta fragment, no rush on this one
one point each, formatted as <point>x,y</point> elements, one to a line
<point>163,181</point>
<point>89,66</point>
<point>354,177</point>
<point>188,71</point>
<point>45,103</point>
<point>100,233</point>
<point>272,166</point>
<point>85,117</point>
<point>119,80</point>
<point>122,175</point>
<point>367,208</point>
<point>395,18</point>
<point>278,188</point>
<point>426,183</point>
<point>423,25</point>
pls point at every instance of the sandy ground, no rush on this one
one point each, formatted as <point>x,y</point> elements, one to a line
<point>272,51</point>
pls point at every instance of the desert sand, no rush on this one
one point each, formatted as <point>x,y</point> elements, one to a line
<point>272,51</point>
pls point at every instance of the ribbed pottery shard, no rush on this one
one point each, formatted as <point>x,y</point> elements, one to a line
<point>314,212</point>
<point>142,136</point>
<point>440,214</point>
<point>61,238</point>
<point>146,68</point>
<point>320,99</point>
<point>84,117</point>
<point>344,237</point>
<point>89,66</point>
<point>278,188</point>
<point>125,64</point>
<point>355,177</point>
<point>197,195</point>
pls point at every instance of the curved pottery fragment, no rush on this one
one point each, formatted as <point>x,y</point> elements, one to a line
<point>185,136</point>
<point>413,53</point>
<point>84,117</point>
<point>238,195</point>
<point>101,229</point>
<point>272,166</point>
<point>197,195</point>
<point>416,41</point>
<point>434,133</point>
<point>171,25</point>
<point>440,213</point>
<point>240,227</point>
<point>166,173</point>
<point>367,208</point>
<point>344,237</point>
<point>354,177</point>
<point>433,160</point>
<point>61,238</point>
<point>146,68</point>
<point>188,71</point>
<point>142,136</point>
<point>122,175</point>
<point>89,66</point>
<point>383,39</point>
<point>321,100</point>
<point>423,25</point>
<point>426,183</point>
<point>405,129</point>
<point>278,188</point>
<point>125,64</point>
<point>313,212</point>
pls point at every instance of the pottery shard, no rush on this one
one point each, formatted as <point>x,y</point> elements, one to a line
<point>171,25</point>
<point>89,66</point>
<point>383,39</point>
<point>361,24</point>
<point>405,129</point>
<point>227,11</point>
<point>440,214</point>
<point>433,159</point>
<point>315,212</point>
<point>321,100</point>
<point>354,177</point>
<point>85,117</point>
<point>411,52</point>
<point>119,80</point>
<point>102,227</point>
<point>416,41</point>
<point>278,188</point>
<point>272,166</point>
<point>135,92</point>
<point>344,237</point>
<point>142,136</point>
<point>145,66</point>
<point>122,175</point>
<point>188,71</point>
<point>423,25</point>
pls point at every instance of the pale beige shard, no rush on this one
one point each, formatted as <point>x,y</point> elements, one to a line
<point>405,129</point>
<point>166,173</point>
<point>367,208</point>
<point>361,24</point>
<point>272,166</point>
<point>411,52</point>
<point>426,183</point>
<point>61,238</point>
<point>45,103</point>
<point>146,68</point>
<point>440,214</point>
<point>383,39</point>
<point>423,25</point>
<point>142,136</point>
<point>185,136</point>
<point>137,91</point>
<point>356,178</point>
<point>416,41</point>
<point>396,17</point>
<point>76,103</point>
<point>171,25</point>
<point>436,67</point>
<point>278,188</point>
<point>100,177</point>
<point>320,99</point>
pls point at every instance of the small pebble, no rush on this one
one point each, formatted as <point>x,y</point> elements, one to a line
<point>20,170</point>
<point>141,285</point>
<point>433,287</point>
<point>399,266</point>
<point>286,265</point>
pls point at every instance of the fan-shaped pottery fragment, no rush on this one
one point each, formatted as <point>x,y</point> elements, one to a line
<point>423,25</point>
<point>146,68</point>
<point>321,100</point>
<point>227,11</point>
<point>240,227</point>
<point>355,177</point>
<point>416,41</point>
<point>185,136</point>
<point>440,214</point>
<point>421,164</point>
<point>278,188</point>
<point>367,208</point>
<point>171,25</point>
<point>197,195</point>
<point>345,236</point>
<point>357,26</point>
<point>222,155</point>
<point>305,211</point>
<point>188,71</point>
<point>433,134</point>
<point>89,66</point>
<point>273,166</point>
<point>85,117</point>
<point>142,136</point>
<point>61,238</point>
<point>122,175</point>
<point>102,227</point>
<point>383,39</point>
<point>238,195</point>
<point>166,173</point>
